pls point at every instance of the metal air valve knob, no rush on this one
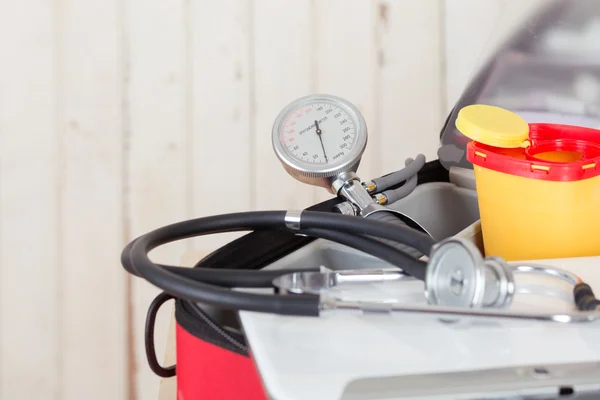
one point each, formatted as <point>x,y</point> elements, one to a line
<point>458,276</point>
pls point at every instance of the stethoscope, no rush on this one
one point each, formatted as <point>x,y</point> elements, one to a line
<point>459,282</point>
<point>319,140</point>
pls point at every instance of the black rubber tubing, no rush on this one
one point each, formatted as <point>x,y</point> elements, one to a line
<point>223,277</point>
<point>274,304</point>
<point>135,257</point>
<point>263,279</point>
<point>230,222</point>
<point>235,278</point>
<point>231,278</point>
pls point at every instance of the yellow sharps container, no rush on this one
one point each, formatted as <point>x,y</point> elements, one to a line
<point>538,185</point>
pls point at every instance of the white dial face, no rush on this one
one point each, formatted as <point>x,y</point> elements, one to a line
<point>318,133</point>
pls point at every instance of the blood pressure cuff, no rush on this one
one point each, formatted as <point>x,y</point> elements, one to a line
<point>261,248</point>
<point>213,359</point>
<point>209,365</point>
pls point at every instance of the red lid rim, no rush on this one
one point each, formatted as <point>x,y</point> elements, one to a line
<point>545,138</point>
<point>590,152</point>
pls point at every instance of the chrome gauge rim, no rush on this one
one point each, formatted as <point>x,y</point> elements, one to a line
<point>320,170</point>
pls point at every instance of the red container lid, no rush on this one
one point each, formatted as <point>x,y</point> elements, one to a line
<point>503,142</point>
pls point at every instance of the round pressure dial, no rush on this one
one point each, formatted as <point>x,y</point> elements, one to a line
<point>318,137</point>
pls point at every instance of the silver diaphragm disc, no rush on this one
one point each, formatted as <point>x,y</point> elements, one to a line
<point>455,274</point>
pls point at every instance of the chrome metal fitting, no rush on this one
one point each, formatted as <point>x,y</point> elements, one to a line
<point>381,199</point>
<point>346,208</point>
<point>293,219</point>
<point>342,180</point>
<point>370,186</point>
<point>355,193</point>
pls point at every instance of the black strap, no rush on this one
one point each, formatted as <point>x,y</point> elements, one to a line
<point>163,372</point>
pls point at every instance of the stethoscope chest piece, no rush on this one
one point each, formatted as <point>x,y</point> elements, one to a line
<point>455,275</point>
<point>459,276</point>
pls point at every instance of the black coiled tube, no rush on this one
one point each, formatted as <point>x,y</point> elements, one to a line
<point>356,232</point>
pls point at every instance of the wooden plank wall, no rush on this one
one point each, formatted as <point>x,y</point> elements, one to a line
<point>117,117</point>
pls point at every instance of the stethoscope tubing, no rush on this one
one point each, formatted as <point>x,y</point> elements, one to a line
<point>212,286</point>
<point>346,230</point>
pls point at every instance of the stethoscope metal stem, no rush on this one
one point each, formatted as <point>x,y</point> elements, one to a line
<point>318,282</point>
<point>315,282</point>
<point>332,306</point>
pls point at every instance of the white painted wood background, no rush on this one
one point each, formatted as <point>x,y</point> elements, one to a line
<point>115,116</point>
